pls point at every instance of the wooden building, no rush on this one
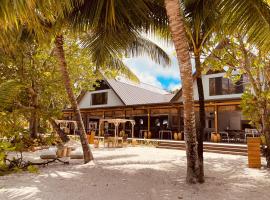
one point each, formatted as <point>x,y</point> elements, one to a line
<point>155,109</point>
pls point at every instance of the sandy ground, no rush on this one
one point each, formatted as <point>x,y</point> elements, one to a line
<point>138,173</point>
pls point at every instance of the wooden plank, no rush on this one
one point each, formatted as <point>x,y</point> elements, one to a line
<point>253,140</point>
<point>255,159</point>
<point>254,166</point>
<point>254,152</point>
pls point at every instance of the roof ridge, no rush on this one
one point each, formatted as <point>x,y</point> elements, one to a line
<point>140,87</point>
<point>135,85</point>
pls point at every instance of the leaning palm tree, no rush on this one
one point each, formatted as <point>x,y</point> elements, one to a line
<point>111,32</point>
<point>100,24</point>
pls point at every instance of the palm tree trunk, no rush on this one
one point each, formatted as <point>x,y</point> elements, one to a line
<point>200,132</point>
<point>60,132</point>
<point>182,50</point>
<point>65,75</point>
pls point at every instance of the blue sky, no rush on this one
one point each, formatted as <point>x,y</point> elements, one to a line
<point>147,71</point>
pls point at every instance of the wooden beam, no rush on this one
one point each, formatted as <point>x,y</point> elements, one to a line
<point>216,118</point>
<point>179,120</point>
<point>148,116</point>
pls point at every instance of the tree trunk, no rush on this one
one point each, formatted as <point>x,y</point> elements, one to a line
<point>182,50</point>
<point>33,124</point>
<point>266,131</point>
<point>200,132</point>
<point>34,121</point>
<point>67,82</point>
<point>60,132</point>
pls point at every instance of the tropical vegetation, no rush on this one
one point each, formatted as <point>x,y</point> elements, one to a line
<point>37,35</point>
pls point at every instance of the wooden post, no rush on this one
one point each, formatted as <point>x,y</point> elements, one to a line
<point>179,120</point>
<point>124,124</point>
<point>132,130</point>
<point>148,115</point>
<point>116,134</point>
<point>254,152</point>
<point>216,118</point>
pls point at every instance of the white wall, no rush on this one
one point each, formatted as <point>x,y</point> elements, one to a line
<point>205,79</point>
<point>113,99</point>
<point>207,96</point>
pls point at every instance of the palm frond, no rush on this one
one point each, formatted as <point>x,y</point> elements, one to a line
<point>9,91</point>
<point>141,15</point>
<point>142,46</point>
<point>250,17</point>
<point>119,68</point>
<point>102,45</point>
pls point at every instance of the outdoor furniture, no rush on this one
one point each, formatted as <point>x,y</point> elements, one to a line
<point>141,133</point>
<point>224,136</point>
<point>235,135</point>
<point>53,155</point>
<point>251,133</point>
<point>63,124</point>
<point>160,133</point>
<point>108,139</point>
<point>116,123</point>
<point>128,132</point>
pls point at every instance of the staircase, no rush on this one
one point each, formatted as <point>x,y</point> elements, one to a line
<point>221,148</point>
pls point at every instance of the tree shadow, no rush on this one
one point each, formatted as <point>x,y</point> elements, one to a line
<point>130,176</point>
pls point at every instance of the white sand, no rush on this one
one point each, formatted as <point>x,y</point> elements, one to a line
<point>138,173</point>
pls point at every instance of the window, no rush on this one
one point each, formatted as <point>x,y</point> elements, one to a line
<point>223,86</point>
<point>99,98</point>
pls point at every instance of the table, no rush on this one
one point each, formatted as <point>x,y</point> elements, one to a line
<point>141,134</point>
<point>160,133</point>
<point>114,141</point>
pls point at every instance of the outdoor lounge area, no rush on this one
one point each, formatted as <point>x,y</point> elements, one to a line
<point>166,123</point>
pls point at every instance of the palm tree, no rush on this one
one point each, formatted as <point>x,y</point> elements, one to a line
<point>101,23</point>
<point>201,20</point>
<point>176,23</point>
<point>110,34</point>
<point>60,54</point>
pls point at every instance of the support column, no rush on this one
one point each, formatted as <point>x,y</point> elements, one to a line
<point>179,119</point>
<point>132,130</point>
<point>148,116</point>
<point>124,124</point>
<point>116,134</point>
<point>216,118</point>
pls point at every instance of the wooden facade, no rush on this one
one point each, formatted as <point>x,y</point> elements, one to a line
<point>153,117</point>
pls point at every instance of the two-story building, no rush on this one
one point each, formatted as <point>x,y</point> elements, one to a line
<point>155,109</point>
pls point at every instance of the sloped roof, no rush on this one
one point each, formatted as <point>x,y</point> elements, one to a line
<point>138,93</point>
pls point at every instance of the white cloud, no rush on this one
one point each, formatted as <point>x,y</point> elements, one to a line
<point>174,86</point>
<point>149,71</point>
